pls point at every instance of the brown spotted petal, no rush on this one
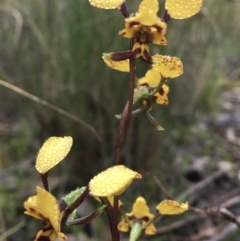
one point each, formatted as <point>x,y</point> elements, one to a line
<point>168,66</point>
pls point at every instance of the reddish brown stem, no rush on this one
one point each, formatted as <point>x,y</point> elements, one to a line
<point>116,236</point>
<point>44,177</point>
<point>125,116</point>
<point>123,9</point>
<point>121,134</point>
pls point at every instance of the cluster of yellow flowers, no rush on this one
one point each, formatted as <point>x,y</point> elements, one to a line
<point>146,27</point>
<point>109,183</point>
<point>142,28</point>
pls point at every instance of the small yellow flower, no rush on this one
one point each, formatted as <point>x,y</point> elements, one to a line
<point>171,207</point>
<point>145,26</point>
<point>113,181</point>
<point>106,4</point>
<point>152,79</point>
<point>140,213</point>
<point>180,9</point>
<point>163,68</point>
<point>52,152</point>
<point>44,206</point>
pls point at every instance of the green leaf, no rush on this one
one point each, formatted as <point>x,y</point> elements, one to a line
<point>86,219</point>
<point>73,196</point>
<point>153,122</point>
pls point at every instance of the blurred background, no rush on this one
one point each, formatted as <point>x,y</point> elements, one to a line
<point>52,49</point>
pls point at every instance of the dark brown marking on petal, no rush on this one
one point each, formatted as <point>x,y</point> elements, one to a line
<point>145,84</point>
<point>123,33</point>
<point>47,228</point>
<point>162,42</point>
<point>145,218</point>
<point>161,91</point>
<point>154,98</point>
<point>159,29</point>
<point>131,24</point>
<point>131,217</point>
<point>136,52</point>
<point>36,213</point>
<point>43,238</point>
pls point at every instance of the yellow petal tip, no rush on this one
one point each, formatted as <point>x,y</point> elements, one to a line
<point>106,4</point>
<point>113,181</point>
<point>52,152</point>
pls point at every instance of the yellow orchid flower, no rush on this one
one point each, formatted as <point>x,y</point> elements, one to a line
<point>145,26</point>
<point>52,152</point>
<point>140,213</point>
<point>180,9</point>
<point>44,206</point>
<point>152,79</point>
<point>163,68</point>
<point>113,181</point>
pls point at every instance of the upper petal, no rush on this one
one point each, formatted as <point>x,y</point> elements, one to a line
<point>113,181</point>
<point>106,4</point>
<point>52,152</point>
<point>180,9</point>
<point>45,204</point>
<point>147,12</point>
<point>140,209</point>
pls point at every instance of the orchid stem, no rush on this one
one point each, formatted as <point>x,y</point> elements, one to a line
<point>121,134</point>
<point>44,177</point>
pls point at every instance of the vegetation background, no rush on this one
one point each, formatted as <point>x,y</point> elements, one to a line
<point>52,49</point>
